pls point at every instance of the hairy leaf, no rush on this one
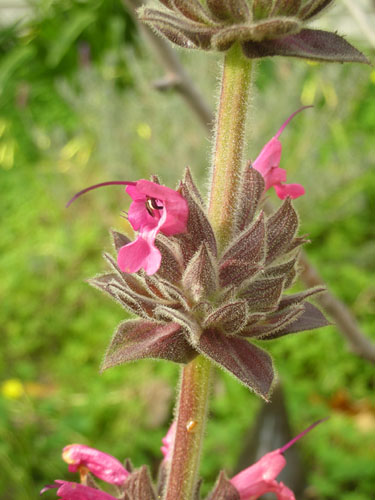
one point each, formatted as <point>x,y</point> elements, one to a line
<point>250,364</point>
<point>138,339</point>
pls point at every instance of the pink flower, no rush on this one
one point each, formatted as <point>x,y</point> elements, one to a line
<point>260,478</point>
<point>83,458</point>
<point>168,442</point>
<point>75,491</point>
<point>268,161</point>
<point>154,208</point>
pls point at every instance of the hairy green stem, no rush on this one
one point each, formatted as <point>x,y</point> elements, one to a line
<point>228,163</point>
<point>191,420</point>
<point>229,143</point>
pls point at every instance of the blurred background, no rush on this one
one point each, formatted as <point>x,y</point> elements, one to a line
<point>78,106</point>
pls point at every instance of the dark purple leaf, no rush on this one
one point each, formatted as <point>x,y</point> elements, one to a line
<point>138,339</point>
<point>310,319</point>
<point>223,489</point>
<point>250,364</point>
<point>315,45</point>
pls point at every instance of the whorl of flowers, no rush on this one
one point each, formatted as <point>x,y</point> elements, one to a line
<point>202,302</point>
<point>262,27</point>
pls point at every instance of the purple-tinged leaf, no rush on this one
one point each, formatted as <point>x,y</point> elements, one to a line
<point>234,10</point>
<point>251,191</point>
<point>249,246</point>
<point>190,185</point>
<point>138,485</point>
<point>171,259</point>
<point>288,270</point>
<point>138,339</point>
<point>132,282</point>
<point>264,294</point>
<point>176,28</point>
<point>313,8</point>
<point>199,229</point>
<point>191,328</point>
<point>193,10</point>
<point>310,319</point>
<point>224,489</point>
<point>315,45</point>
<point>273,323</point>
<point>262,30</point>
<point>234,272</point>
<point>138,304</point>
<point>200,277</point>
<point>285,7</point>
<point>250,364</point>
<point>281,229</point>
<point>119,239</point>
<point>229,317</point>
<point>296,298</point>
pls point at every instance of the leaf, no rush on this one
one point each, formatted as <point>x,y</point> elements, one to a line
<point>199,229</point>
<point>138,485</point>
<point>177,29</point>
<point>286,7</point>
<point>190,185</point>
<point>119,239</point>
<point>193,10</point>
<point>235,10</point>
<point>315,45</point>
<point>200,277</point>
<point>273,323</point>
<point>281,228</point>
<point>249,245</point>
<point>223,489</point>
<point>191,327</point>
<point>295,298</point>
<point>250,364</point>
<point>171,259</point>
<point>251,191</point>
<point>312,8</point>
<point>310,319</point>
<point>138,339</point>
<point>229,317</point>
<point>264,294</point>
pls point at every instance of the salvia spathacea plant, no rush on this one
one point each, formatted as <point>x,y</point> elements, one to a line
<point>205,279</point>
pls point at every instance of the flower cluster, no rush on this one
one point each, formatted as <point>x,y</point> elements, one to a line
<point>203,302</point>
<point>130,484</point>
<point>262,27</point>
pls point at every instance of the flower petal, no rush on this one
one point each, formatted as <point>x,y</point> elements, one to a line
<point>168,442</point>
<point>292,190</point>
<point>100,464</point>
<point>139,254</point>
<point>74,491</point>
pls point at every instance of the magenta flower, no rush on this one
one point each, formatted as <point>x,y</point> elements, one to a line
<point>154,208</point>
<point>82,458</point>
<point>268,161</point>
<point>74,491</point>
<point>168,442</point>
<point>260,478</point>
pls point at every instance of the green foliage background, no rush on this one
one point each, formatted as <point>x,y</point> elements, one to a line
<point>77,106</point>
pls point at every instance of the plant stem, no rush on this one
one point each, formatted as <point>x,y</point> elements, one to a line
<point>229,143</point>
<point>195,382</point>
<point>191,420</point>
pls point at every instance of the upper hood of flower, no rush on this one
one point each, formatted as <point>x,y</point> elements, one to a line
<point>100,464</point>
